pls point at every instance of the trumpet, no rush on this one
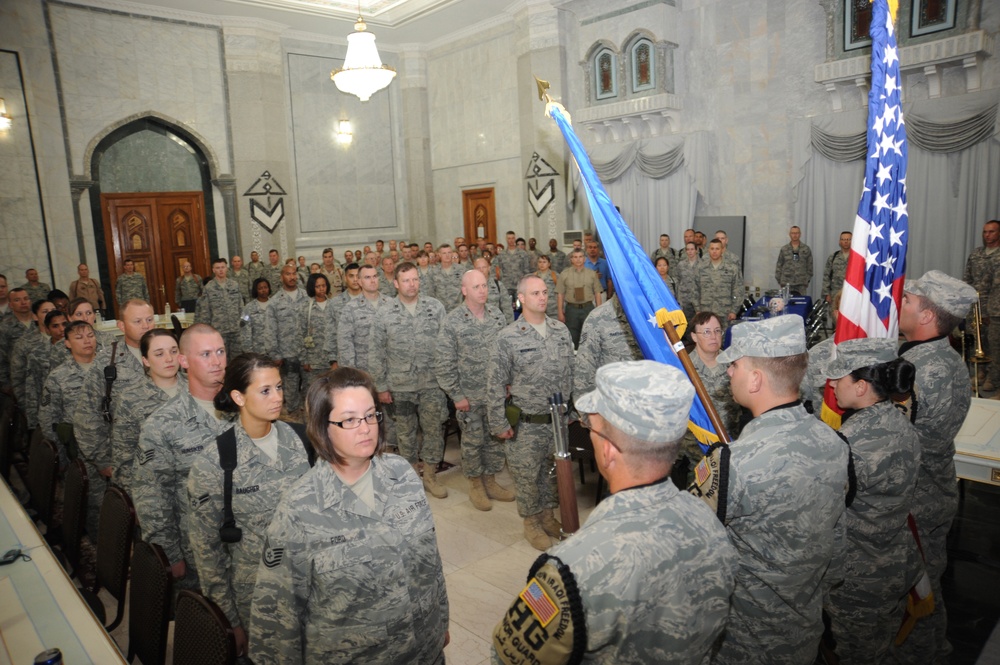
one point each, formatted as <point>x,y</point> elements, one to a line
<point>977,328</point>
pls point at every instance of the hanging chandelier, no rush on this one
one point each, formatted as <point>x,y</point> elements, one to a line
<point>363,73</point>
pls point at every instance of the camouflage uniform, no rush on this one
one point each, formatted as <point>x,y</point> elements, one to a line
<point>188,288</point>
<point>335,277</point>
<point>338,301</point>
<point>606,338</point>
<point>499,297</point>
<point>253,327</point>
<point>716,382</point>
<point>881,560</point>
<point>794,267</point>
<point>320,324</point>
<point>401,360</point>
<point>41,360</point>
<point>354,330</point>
<point>36,293</point>
<point>130,287</point>
<point>228,570</point>
<point>426,281</point>
<point>814,382</point>
<point>283,341</point>
<point>685,274</point>
<point>61,393</point>
<point>514,264</point>
<point>273,276</point>
<point>170,441</point>
<point>132,408</point>
<point>534,367</point>
<point>552,306</point>
<point>22,349</point>
<point>256,270</point>
<point>558,260</point>
<point>11,330</point>
<point>720,289</point>
<point>245,282</point>
<point>463,357</point>
<point>992,313</point>
<point>93,434</point>
<point>341,583</point>
<point>834,273</point>
<point>448,286</point>
<point>385,284</point>
<point>669,254</point>
<point>220,306</point>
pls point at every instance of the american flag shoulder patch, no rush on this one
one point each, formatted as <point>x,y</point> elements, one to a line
<point>539,602</point>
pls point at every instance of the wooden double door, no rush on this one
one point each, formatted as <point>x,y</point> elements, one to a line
<point>159,231</point>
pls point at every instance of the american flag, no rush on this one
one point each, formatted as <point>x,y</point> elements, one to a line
<point>876,268</point>
<point>541,605</point>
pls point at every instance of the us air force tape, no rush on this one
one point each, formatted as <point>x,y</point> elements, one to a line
<point>711,479</point>
<point>546,622</point>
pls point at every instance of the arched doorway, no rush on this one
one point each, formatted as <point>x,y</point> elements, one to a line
<point>152,202</point>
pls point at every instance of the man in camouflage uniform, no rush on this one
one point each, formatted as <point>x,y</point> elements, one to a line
<point>685,274</point>
<point>63,389</point>
<point>36,290</point>
<point>352,290</point>
<point>720,284</point>
<point>533,360</point>
<point>220,306</point>
<point>464,345</point>
<point>283,335</point>
<point>578,291</point>
<point>333,272</point>
<point>446,280</point>
<point>931,308</point>
<point>836,268</point>
<point>664,250</point>
<point>92,429</point>
<point>606,338</point>
<point>18,321</point>
<point>727,256</point>
<point>255,268</point>
<point>787,480</point>
<point>557,256</point>
<point>514,263</point>
<point>241,276</point>
<point>794,267</point>
<point>272,271</point>
<point>980,271</point>
<point>36,336</point>
<point>403,336</point>
<point>354,324</point>
<point>41,360</point>
<point>130,285</point>
<point>386,270</point>
<point>667,605</point>
<point>171,439</point>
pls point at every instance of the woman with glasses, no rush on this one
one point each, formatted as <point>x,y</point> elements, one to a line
<point>270,456</point>
<point>350,570</point>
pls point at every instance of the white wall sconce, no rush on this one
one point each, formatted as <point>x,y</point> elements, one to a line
<point>5,120</point>
<point>344,135</point>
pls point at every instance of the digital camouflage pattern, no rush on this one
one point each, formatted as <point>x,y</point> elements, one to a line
<point>669,254</point>
<point>228,571</point>
<point>41,359</point>
<point>188,287</point>
<point>273,276</point>
<point>499,297</point>
<point>319,338</point>
<point>881,561</point>
<point>385,284</point>
<point>462,359</point>
<point>535,368</point>
<point>952,295</point>
<point>795,271</point>
<point>834,273</point>
<point>341,583</point>
<point>665,605</point>
<point>606,337</point>
<point>130,287</point>
<point>685,274</point>
<point>244,280</point>
<point>131,410</point>
<point>220,306</point>
<point>11,330</point>
<point>776,337</point>
<point>170,441</point>
<point>253,327</point>
<point>787,483</point>
<point>558,260</point>
<point>720,288</point>
<point>36,293</point>
<point>354,330</point>
<point>447,285</point>
<point>859,353</point>
<point>283,341</point>
<point>514,264</point>
<point>18,355</point>
<point>61,394</point>
<point>550,278</point>
<point>255,269</point>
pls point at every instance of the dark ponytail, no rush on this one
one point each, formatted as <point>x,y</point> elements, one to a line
<point>886,379</point>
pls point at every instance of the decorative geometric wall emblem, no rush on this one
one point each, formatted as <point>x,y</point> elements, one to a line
<point>270,212</point>
<point>541,184</point>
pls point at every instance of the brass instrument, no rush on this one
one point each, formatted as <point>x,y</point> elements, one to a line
<point>978,357</point>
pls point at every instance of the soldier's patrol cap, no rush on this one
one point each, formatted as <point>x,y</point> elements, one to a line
<point>857,353</point>
<point>644,399</point>
<point>776,337</point>
<point>952,295</point>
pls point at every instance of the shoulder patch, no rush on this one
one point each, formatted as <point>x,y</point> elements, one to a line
<point>272,555</point>
<point>146,456</point>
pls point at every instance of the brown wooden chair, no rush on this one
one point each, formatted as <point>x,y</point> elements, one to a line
<point>202,633</point>
<point>75,488</point>
<point>43,469</point>
<point>149,604</point>
<point>114,546</point>
<point>7,410</point>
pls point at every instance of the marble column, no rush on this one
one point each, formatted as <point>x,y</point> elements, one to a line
<point>230,206</point>
<point>78,185</point>
<point>412,78</point>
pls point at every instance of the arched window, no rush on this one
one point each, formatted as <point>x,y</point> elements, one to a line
<point>605,66</point>
<point>642,65</point>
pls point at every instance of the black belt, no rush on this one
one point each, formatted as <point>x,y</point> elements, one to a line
<point>579,305</point>
<point>536,419</point>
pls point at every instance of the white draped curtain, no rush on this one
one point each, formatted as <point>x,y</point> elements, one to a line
<point>655,182</point>
<point>952,182</point>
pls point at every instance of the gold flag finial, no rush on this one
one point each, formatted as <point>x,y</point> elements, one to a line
<point>542,87</point>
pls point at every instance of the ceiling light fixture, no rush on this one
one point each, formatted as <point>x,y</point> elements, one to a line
<point>363,73</point>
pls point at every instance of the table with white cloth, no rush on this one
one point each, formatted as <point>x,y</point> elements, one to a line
<point>977,445</point>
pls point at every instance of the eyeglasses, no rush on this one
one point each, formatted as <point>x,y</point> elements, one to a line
<point>585,421</point>
<point>714,332</point>
<point>354,423</point>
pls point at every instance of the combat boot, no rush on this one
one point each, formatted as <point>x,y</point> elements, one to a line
<point>534,533</point>
<point>431,483</point>
<point>495,490</point>
<point>551,524</point>
<point>477,494</point>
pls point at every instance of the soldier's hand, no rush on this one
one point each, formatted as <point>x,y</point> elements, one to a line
<point>463,405</point>
<point>179,569</point>
<point>562,317</point>
<point>385,397</point>
<point>506,434</point>
<point>241,641</point>
<point>447,637</point>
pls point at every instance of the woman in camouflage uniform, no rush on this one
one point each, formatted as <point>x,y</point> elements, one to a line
<point>81,310</point>
<point>881,561</point>
<point>269,457</point>
<point>350,571</point>
<point>318,326</point>
<point>159,358</point>
<point>550,278</point>
<point>663,270</point>
<point>252,321</point>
